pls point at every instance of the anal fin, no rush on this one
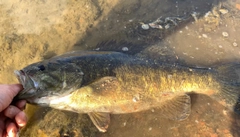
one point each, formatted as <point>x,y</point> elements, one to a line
<point>100,120</point>
<point>177,108</point>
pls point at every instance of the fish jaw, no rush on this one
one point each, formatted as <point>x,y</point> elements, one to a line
<point>29,86</point>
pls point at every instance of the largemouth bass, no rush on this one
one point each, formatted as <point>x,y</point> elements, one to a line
<point>102,83</point>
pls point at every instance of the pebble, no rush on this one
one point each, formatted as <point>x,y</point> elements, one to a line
<point>145,26</point>
<point>235,44</point>
<point>167,26</point>
<point>223,11</point>
<point>204,35</point>
<point>224,112</point>
<point>225,34</point>
<point>194,15</point>
<point>220,46</point>
<point>169,76</point>
<point>125,49</point>
<point>136,98</point>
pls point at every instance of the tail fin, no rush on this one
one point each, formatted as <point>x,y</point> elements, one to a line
<point>229,78</point>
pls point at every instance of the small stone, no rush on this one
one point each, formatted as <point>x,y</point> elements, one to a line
<point>150,128</point>
<point>225,34</point>
<point>220,46</point>
<point>194,15</point>
<point>136,98</point>
<point>204,35</point>
<point>223,11</point>
<point>145,26</point>
<point>155,26</point>
<point>235,44</point>
<point>167,26</point>
<point>125,49</point>
<point>225,112</point>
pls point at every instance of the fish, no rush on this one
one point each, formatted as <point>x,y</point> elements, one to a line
<point>101,83</point>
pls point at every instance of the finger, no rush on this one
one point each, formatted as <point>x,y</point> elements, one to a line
<point>11,129</point>
<point>21,104</point>
<point>21,119</point>
<point>4,134</point>
<point>11,111</point>
<point>2,124</point>
<point>8,92</point>
<point>14,89</point>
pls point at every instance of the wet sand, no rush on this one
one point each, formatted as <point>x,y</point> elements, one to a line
<point>35,30</point>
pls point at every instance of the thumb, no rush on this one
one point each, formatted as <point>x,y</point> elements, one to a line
<point>14,89</point>
<point>7,93</point>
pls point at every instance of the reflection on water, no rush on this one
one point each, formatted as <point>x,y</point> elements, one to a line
<point>34,30</point>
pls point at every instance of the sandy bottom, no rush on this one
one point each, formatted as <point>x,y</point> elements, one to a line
<point>35,30</point>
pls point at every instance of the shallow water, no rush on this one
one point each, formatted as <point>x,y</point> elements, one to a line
<point>35,30</point>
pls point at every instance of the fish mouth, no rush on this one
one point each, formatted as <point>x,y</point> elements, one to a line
<point>29,87</point>
<point>20,76</point>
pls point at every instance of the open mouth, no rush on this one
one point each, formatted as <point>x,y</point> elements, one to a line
<point>20,76</point>
<point>29,88</point>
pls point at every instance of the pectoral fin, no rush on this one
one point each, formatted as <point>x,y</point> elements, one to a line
<point>178,108</point>
<point>100,120</point>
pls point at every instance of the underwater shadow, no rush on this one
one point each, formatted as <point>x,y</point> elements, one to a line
<point>122,26</point>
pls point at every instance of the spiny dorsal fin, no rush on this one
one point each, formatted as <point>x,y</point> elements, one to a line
<point>178,108</point>
<point>100,120</point>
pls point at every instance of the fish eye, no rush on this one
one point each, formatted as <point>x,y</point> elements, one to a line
<point>41,67</point>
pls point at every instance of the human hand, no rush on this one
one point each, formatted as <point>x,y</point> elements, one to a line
<point>11,115</point>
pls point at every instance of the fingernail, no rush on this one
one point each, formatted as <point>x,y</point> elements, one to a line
<point>22,120</point>
<point>12,133</point>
